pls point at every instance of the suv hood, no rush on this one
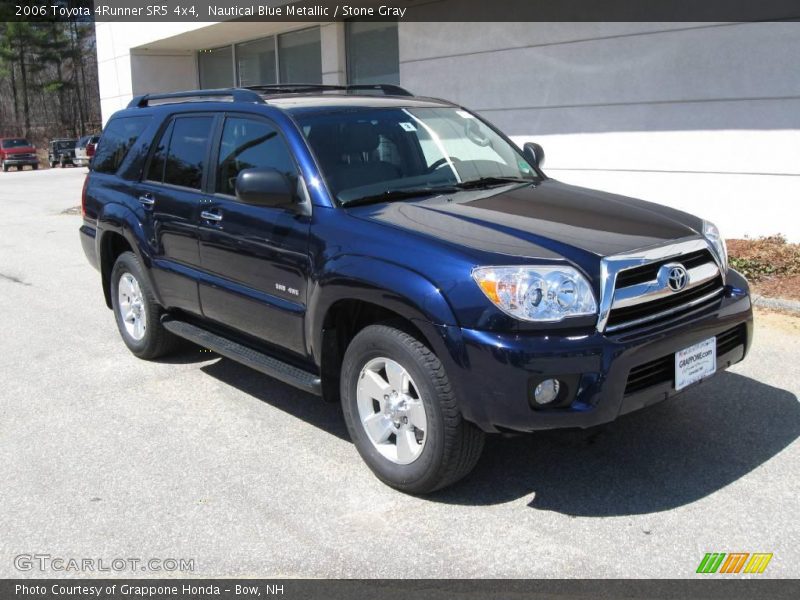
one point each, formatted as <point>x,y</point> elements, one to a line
<point>18,150</point>
<point>546,220</point>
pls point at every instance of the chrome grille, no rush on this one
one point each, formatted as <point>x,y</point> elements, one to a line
<point>636,290</point>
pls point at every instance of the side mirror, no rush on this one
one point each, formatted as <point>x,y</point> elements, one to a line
<point>534,153</point>
<point>263,187</point>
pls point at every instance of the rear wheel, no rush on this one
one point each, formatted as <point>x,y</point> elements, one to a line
<point>35,167</point>
<point>137,314</point>
<point>402,414</point>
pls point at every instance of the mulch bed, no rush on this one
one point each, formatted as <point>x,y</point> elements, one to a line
<point>771,265</point>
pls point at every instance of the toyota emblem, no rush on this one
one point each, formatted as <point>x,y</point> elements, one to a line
<point>675,276</point>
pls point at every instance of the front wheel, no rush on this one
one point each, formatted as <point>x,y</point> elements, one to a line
<point>137,314</point>
<point>402,413</point>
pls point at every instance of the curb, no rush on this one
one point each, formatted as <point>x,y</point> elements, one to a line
<point>792,306</point>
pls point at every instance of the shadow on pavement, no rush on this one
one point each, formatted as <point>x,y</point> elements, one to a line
<point>311,409</point>
<point>665,456</point>
<point>653,460</point>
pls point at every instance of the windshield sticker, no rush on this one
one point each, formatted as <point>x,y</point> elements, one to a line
<point>408,126</point>
<point>464,114</point>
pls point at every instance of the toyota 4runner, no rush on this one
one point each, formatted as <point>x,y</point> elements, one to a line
<point>400,255</point>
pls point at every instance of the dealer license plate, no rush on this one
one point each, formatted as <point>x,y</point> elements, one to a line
<point>695,363</point>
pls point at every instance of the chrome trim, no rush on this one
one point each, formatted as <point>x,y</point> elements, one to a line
<point>665,313</point>
<point>610,266</point>
<point>655,289</point>
<point>210,216</point>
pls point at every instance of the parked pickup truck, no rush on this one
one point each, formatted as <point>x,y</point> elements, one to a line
<point>19,153</point>
<point>401,256</point>
<point>84,150</point>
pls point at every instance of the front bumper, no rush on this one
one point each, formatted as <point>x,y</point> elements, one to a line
<point>20,162</point>
<point>494,373</point>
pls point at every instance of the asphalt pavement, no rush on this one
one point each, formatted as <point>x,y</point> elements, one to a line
<point>196,458</point>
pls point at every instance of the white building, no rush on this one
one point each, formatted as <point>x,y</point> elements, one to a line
<point>701,116</point>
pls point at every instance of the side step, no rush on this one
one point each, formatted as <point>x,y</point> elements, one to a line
<point>254,359</point>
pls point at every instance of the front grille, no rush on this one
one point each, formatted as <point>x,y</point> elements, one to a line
<point>731,339</point>
<point>662,370</point>
<point>21,156</point>
<point>618,317</point>
<point>649,272</point>
<point>652,373</point>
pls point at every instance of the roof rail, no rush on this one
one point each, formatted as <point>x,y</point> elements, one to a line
<point>299,88</point>
<point>236,94</point>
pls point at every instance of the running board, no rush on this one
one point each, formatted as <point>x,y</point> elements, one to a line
<point>263,363</point>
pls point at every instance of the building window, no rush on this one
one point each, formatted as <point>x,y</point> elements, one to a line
<point>373,54</point>
<point>256,62</point>
<point>216,68</point>
<point>300,56</point>
<point>294,57</point>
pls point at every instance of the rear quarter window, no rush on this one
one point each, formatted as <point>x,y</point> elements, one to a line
<point>119,135</point>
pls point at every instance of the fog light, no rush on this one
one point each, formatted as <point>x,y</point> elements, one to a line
<point>547,391</point>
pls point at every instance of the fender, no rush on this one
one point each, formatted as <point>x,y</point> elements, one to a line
<point>118,218</point>
<point>356,277</point>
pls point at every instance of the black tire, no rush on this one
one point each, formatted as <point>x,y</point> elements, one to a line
<point>35,167</point>
<point>5,168</point>
<point>452,445</point>
<point>52,165</point>
<point>156,340</point>
<point>63,162</point>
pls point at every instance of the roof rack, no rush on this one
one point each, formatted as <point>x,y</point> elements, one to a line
<point>235,94</point>
<point>300,88</point>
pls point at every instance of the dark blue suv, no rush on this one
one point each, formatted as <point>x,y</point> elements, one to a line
<point>401,256</point>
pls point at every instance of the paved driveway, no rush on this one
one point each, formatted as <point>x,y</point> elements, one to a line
<point>105,456</point>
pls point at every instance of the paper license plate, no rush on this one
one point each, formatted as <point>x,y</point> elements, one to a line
<point>695,363</point>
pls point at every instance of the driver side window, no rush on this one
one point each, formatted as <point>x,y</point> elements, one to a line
<point>250,143</point>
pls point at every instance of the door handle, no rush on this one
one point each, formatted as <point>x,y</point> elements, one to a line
<point>211,216</point>
<point>147,199</point>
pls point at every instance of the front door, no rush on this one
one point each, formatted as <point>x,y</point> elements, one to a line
<point>255,259</point>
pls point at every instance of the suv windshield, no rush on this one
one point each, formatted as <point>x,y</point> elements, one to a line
<point>393,153</point>
<point>64,144</point>
<point>16,143</point>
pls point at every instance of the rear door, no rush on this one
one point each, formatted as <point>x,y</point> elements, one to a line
<point>255,258</point>
<point>172,192</point>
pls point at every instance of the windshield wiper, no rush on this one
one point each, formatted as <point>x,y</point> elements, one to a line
<point>390,195</point>
<point>486,182</point>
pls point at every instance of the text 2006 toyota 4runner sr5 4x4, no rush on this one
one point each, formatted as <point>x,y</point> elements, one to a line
<point>400,255</point>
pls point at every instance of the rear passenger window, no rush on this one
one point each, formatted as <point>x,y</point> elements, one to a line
<point>249,143</point>
<point>120,134</point>
<point>155,172</point>
<point>179,157</point>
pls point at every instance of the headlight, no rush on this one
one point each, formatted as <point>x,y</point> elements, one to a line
<point>712,234</point>
<point>544,293</point>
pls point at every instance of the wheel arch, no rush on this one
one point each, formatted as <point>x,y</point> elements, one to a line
<point>363,291</point>
<point>118,231</point>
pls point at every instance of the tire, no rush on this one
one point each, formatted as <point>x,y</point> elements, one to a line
<point>448,447</point>
<point>52,165</point>
<point>63,163</point>
<point>5,168</point>
<point>148,339</point>
<point>35,167</point>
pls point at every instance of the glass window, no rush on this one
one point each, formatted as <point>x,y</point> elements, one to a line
<point>216,68</point>
<point>118,137</point>
<point>300,56</point>
<point>368,153</point>
<point>188,145</point>
<point>155,172</point>
<point>15,143</point>
<point>248,144</point>
<point>372,52</point>
<point>255,62</point>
